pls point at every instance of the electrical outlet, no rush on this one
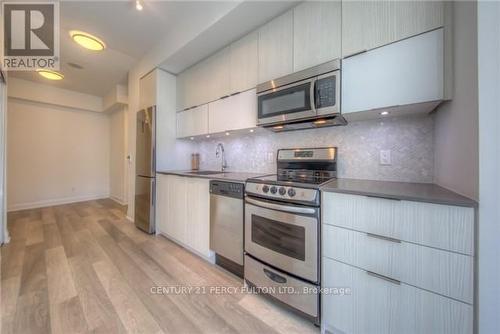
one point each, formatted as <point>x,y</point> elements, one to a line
<point>385,157</point>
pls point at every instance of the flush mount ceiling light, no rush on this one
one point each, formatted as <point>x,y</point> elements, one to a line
<point>138,5</point>
<point>87,40</point>
<point>384,113</point>
<point>51,75</point>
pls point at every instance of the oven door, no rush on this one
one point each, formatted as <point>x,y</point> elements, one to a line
<point>284,236</point>
<point>290,102</point>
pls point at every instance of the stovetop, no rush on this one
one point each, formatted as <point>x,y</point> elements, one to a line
<point>296,181</point>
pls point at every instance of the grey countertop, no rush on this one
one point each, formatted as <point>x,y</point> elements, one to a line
<point>227,176</point>
<point>420,192</point>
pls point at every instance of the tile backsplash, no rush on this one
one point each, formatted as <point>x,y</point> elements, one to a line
<point>410,140</point>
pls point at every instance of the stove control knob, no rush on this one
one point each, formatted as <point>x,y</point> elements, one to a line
<point>265,189</point>
<point>273,190</point>
<point>282,191</point>
<point>291,192</point>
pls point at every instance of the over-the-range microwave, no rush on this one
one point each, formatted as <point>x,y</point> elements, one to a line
<point>305,99</point>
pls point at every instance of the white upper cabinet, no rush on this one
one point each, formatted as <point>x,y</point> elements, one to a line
<point>276,48</point>
<point>370,24</point>
<point>403,73</point>
<point>316,33</point>
<point>192,122</point>
<point>233,113</point>
<point>215,78</point>
<point>244,57</point>
<point>147,90</point>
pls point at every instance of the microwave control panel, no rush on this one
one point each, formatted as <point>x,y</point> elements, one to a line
<point>325,92</point>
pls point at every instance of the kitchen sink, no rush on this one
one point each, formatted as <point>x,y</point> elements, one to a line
<point>205,172</point>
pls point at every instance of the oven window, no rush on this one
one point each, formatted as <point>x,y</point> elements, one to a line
<point>286,101</point>
<point>283,238</point>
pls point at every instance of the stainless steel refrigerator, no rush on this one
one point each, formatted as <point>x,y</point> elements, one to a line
<point>145,168</point>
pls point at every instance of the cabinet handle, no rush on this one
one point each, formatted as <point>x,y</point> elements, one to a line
<point>223,97</point>
<point>385,278</point>
<point>376,236</point>
<point>235,94</point>
<point>356,53</point>
<point>382,197</point>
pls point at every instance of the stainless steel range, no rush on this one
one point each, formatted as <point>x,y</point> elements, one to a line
<point>282,228</point>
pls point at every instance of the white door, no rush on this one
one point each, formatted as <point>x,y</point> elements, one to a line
<point>370,24</point>
<point>233,113</point>
<point>407,72</point>
<point>198,215</point>
<point>316,33</point>
<point>244,67</point>
<point>276,48</point>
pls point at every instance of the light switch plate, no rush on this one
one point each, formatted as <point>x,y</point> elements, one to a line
<point>385,157</point>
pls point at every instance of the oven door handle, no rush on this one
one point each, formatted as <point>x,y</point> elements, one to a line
<point>275,277</point>
<point>279,207</point>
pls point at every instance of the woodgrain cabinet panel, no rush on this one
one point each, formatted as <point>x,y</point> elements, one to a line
<point>244,62</point>
<point>439,271</point>
<point>376,305</point>
<point>316,33</point>
<point>233,113</point>
<point>192,122</point>
<point>441,226</point>
<point>370,24</point>
<point>276,48</point>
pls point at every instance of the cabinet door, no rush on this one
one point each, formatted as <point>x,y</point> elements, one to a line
<point>147,90</point>
<point>177,208</point>
<point>233,113</point>
<point>370,24</point>
<point>316,33</point>
<point>403,73</point>
<point>162,222</point>
<point>198,215</point>
<point>216,75</point>
<point>376,305</point>
<point>244,57</point>
<point>192,122</point>
<point>276,48</point>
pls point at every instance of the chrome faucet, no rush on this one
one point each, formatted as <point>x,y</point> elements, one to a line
<point>219,152</point>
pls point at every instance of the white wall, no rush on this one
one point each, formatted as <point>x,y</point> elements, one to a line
<point>118,165</point>
<point>489,162</point>
<point>55,154</point>
<point>32,91</point>
<point>456,124</point>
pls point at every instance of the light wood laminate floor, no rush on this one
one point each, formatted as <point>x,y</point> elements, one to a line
<point>82,267</point>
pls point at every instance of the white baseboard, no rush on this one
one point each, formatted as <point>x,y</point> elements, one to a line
<point>118,200</point>
<point>52,202</point>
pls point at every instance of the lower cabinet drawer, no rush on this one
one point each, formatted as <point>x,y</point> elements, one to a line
<point>439,271</point>
<point>378,305</point>
<point>277,284</point>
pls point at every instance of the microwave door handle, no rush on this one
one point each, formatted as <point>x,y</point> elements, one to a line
<point>312,94</point>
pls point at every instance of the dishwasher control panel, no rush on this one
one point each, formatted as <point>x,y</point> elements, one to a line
<point>230,189</point>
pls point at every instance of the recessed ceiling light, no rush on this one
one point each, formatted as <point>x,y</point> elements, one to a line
<point>252,130</point>
<point>51,75</point>
<point>138,5</point>
<point>227,133</point>
<point>384,113</point>
<point>208,136</point>
<point>192,138</point>
<point>87,40</point>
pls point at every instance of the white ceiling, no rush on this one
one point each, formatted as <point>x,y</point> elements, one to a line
<point>129,34</point>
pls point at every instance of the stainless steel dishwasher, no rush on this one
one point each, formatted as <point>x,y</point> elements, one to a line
<point>226,224</point>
